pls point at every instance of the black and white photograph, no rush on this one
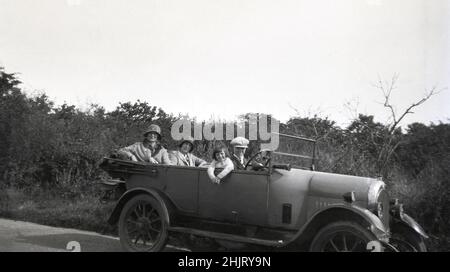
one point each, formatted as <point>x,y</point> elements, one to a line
<point>227,126</point>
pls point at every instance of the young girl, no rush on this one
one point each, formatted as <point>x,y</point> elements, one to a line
<point>220,160</point>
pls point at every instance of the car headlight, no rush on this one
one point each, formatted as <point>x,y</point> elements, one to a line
<point>380,210</point>
<point>376,187</point>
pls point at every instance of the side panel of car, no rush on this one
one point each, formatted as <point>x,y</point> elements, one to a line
<point>240,198</point>
<point>179,184</point>
<point>288,191</point>
<point>157,179</point>
<point>182,188</point>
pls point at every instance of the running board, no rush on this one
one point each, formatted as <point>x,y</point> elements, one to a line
<point>229,237</point>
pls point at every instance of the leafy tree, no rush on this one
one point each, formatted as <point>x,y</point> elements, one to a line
<point>13,106</point>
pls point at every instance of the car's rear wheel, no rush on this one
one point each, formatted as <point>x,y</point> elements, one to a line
<point>142,224</point>
<point>406,240</point>
<point>342,236</point>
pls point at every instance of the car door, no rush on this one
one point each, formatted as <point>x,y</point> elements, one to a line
<point>240,198</point>
<point>182,187</point>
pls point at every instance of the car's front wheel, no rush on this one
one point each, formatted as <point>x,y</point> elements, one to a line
<point>142,224</point>
<point>342,236</point>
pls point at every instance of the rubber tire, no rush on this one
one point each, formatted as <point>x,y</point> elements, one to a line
<point>162,212</point>
<point>410,236</point>
<point>340,226</point>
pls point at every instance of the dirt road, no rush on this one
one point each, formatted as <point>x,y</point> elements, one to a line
<point>25,237</point>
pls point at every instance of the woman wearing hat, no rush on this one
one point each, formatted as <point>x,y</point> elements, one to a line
<point>184,157</point>
<point>149,150</point>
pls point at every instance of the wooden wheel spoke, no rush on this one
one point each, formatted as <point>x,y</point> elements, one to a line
<point>132,230</point>
<point>149,235</point>
<point>131,221</point>
<point>137,239</point>
<point>145,212</point>
<point>357,242</point>
<point>132,233</point>
<point>344,242</point>
<point>155,220</point>
<point>153,229</point>
<point>144,237</point>
<point>151,213</point>
<point>136,215</point>
<point>334,245</point>
<point>141,209</point>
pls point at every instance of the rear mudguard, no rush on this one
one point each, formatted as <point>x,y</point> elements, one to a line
<point>134,192</point>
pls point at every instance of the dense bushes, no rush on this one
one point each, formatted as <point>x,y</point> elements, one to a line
<point>44,147</point>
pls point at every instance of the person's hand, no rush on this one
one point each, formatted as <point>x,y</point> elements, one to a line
<point>215,180</point>
<point>133,158</point>
<point>152,160</point>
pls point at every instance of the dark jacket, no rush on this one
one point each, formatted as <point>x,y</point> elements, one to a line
<point>237,164</point>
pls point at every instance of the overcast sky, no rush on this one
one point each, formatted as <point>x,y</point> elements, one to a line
<point>222,58</point>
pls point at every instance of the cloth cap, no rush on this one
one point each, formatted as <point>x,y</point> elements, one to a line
<point>239,142</point>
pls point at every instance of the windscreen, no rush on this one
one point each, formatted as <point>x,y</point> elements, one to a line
<point>295,150</point>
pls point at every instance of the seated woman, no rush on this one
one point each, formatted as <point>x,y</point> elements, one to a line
<point>184,157</point>
<point>149,150</point>
<point>220,160</point>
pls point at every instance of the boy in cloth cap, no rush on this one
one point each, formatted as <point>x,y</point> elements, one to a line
<point>239,146</point>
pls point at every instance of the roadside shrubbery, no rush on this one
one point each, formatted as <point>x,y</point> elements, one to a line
<point>49,155</point>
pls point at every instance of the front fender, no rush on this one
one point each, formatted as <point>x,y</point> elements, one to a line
<point>114,217</point>
<point>408,221</point>
<point>339,211</point>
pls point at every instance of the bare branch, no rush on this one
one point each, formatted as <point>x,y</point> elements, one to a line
<point>352,107</point>
<point>295,109</point>
<point>387,88</point>
<point>387,94</point>
<point>427,96</point>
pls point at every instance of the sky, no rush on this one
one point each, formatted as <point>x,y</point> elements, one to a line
<point>222,58</point>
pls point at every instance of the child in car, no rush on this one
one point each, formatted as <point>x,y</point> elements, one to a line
<point>220,160</point>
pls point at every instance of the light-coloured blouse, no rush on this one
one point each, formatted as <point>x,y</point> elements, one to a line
<point>227,166</point>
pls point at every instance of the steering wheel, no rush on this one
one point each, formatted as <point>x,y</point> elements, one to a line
<point>265,163</point>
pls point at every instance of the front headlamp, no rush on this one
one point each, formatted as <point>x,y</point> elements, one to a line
<point>380,209</point>
<point>374,190</point>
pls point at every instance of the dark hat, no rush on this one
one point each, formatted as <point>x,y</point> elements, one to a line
<point>188,139</point>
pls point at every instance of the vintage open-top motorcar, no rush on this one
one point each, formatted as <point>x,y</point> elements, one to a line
<point>277,206</point>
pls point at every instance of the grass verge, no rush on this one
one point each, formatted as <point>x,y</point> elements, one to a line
<point>86,213</point>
